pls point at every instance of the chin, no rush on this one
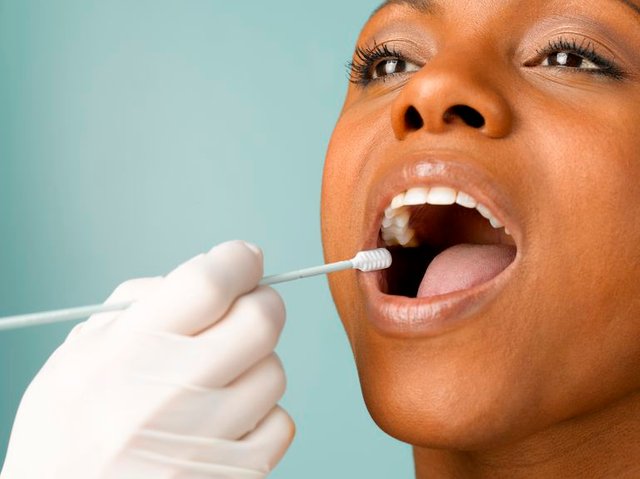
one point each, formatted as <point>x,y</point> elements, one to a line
<point>436,393</point>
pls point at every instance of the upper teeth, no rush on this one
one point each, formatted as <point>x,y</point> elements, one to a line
<point>395,224</point>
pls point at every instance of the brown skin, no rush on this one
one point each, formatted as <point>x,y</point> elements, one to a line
<point>545,381</point>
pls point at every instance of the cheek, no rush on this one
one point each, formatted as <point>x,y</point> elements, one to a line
<point>361,134</point>
<point>344,192</point>
<point>337,219</point>
<point>337,186</point>
<point>583,256</point>
<point>585,200</point>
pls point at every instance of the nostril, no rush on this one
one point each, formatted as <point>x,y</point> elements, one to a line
<point>412,119</point>
<point>468,115</point>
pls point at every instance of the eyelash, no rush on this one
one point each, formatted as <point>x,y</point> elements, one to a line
<point>360,69</point>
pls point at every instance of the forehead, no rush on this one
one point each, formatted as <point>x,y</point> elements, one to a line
<point>421,5</point>
<point>430,6</point>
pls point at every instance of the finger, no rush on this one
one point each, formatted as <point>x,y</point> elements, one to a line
<point>260,450</point>
<point>141,462</point>
<point>252,396</point>
<point>133,290</point>
<point>227,413</point>
<point>248,333</point>
<point>128,291</point>
<point>269,441</point>
<point>198,293</point>
<point>210,451</point>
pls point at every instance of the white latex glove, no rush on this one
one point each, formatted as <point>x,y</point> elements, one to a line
<point>184,384</point>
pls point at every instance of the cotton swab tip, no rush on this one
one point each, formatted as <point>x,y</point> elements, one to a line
<point>372,260</point>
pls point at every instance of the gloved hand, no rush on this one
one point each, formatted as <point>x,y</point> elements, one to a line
<point>182,384</point>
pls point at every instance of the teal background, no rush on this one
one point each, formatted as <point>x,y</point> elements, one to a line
<point>136,134</point>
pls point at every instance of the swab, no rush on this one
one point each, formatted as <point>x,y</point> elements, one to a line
<point>372,260</point>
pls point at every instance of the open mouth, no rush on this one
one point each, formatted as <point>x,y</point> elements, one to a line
<point>442,240</point>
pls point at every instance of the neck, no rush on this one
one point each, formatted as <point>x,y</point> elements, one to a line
<point>602,444</point>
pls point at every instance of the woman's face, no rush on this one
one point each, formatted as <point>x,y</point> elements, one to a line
<point>531,109</point>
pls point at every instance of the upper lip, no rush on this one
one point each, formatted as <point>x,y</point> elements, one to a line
<point>438,169</point>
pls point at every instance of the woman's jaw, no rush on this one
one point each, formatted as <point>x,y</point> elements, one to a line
<point>549,336</point>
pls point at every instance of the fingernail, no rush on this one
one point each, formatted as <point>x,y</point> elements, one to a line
<point>253,248</point>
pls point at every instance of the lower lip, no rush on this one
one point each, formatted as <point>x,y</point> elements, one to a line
<point>401,316</point>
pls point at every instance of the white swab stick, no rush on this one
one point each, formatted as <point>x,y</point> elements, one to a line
<point>59,315</point>
<point>373,260</point>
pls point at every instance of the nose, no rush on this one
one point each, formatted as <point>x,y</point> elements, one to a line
<point>448,95</point>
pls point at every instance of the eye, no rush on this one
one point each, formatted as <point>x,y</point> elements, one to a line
<point>378,64</point>
<point>392,66</point>
<point>578,57</point>
<point>568,59</point>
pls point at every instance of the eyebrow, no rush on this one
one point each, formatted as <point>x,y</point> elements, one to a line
<point>631,5</point>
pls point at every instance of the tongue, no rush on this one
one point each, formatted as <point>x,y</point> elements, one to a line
<point>463,266</point>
